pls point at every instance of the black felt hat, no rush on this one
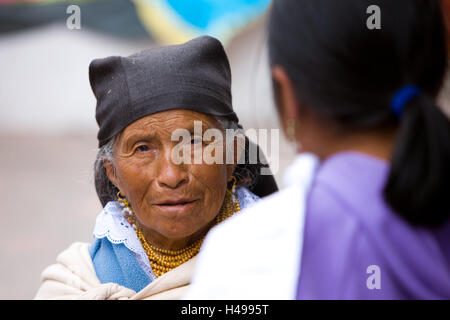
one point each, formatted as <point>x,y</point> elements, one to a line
<point>195,75</point>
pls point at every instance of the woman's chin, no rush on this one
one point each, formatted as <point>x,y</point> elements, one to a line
<point>178,221</point>
<point>179,231</point>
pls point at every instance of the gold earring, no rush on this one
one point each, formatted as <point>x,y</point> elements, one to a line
<point>127,212</point>
<point>233,187</point>
<point>290,129</point>
<point>122,200</point>
<point>231,204</point>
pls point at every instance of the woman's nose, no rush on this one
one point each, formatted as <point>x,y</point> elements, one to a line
<point>171,175</point>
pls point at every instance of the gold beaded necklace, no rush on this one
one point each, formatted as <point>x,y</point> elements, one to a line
<point>162,260</point>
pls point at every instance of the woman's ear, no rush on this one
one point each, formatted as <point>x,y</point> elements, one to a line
<point>285,97</point>
<point>111,172</point>
<point>239,148</point>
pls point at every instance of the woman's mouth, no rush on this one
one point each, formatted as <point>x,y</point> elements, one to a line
<point>176,206</point>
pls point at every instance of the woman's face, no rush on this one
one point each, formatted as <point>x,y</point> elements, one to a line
<point>170,201</point>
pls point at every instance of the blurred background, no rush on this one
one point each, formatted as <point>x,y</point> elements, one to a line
<point>47,126</point>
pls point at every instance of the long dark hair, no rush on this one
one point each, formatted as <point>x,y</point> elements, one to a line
<point>346,72</point>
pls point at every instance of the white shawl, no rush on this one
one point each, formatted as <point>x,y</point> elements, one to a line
<point>73,277</point>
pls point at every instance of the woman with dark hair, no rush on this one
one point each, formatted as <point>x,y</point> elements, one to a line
<point>366,213</point>
<point>159,200</point>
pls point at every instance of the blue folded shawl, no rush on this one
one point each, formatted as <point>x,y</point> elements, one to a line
<point>116,263</point>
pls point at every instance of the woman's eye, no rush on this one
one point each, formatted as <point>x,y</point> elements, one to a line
<point>142,148</point>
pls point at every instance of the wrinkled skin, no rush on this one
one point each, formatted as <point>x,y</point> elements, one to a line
<point>174,204</point>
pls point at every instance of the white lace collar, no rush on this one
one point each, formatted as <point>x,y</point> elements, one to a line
<point>113,225</point>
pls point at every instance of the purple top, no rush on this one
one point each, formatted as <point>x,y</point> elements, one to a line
<point>356,247</point>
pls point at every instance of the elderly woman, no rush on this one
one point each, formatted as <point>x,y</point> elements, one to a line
<point>157,209</point>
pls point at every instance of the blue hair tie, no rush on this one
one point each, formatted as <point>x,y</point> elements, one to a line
<point>402,97</point>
